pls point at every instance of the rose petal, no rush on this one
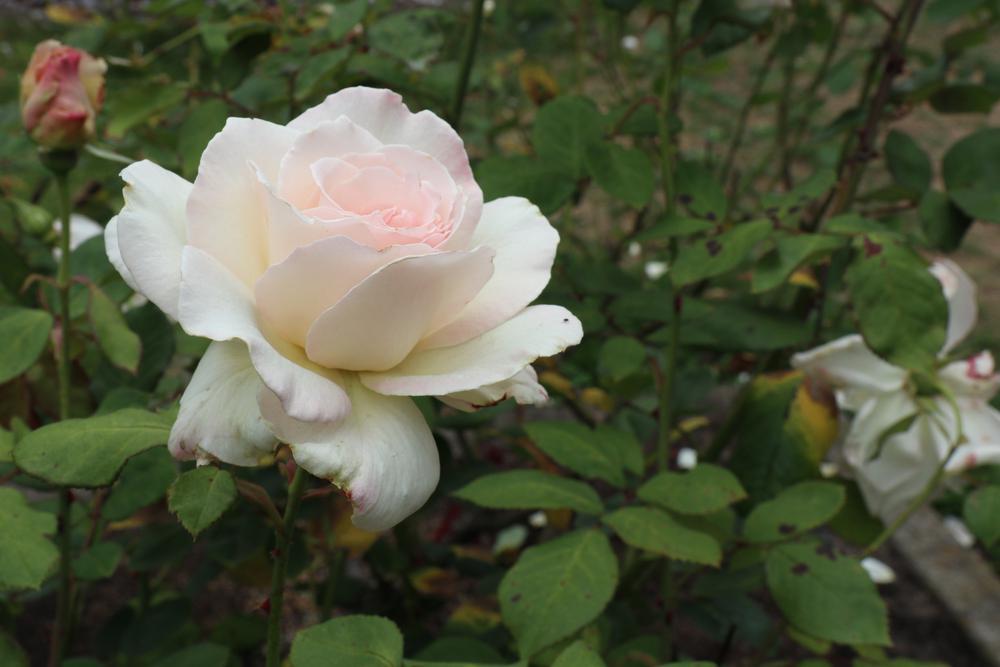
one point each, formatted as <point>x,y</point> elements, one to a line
<point>291,295</point>
<point>537,331</point>
<point>379,322</point>
<point>331,138</point>
<point>525,245</point>
<point>384,115</point>
<point>383,455</point>
<point>523,387</point>
<point>975,376</point>
<point>219,417</point>
<point>846,363</point>
<point>226,218</point>
<point>981,428</point>
<point>873,419</point>
<point>150,233</point>
<point>960,292</point>
<point>215,304</point>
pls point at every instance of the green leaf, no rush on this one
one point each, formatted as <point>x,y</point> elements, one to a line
<point>964,98</point>
<point>531,489</point>
<point>944,223</point>
<point>457,649</point>
<point>705,489</point>
<point>826,595</point>
<point>198,655</point>
<point>674,226</point>
<point>656,531</point>
<point>359,641</point>
<point>796,510</point>
<point>620,357</point>
<point>26,554</point>
<point>25,333</point>
<point>625,173</point>
<point>730,325</point>
<point>578,654</point>
<point>981,512</point>
<point>900,307</point>
<point>774,269</point>
<point>200,496</point>
<point>32,218</point>
<point>11,654</point>
<point>971,170</point>
<point>720,254</point>
<point>556,588</point>
<point>90,452</point>
<point>411,35</point>
<point>138,103</point>
<point>574,446</point>
<point>120,344</point>
<point>698,190</point>
<point>627,445</point>
<point>564,129</point>
<point>98,562</point>
<point>541,182</point>
<point>143,480</point>
<point>344,17</point>
<point>908,163</point>
<point>6,446</point>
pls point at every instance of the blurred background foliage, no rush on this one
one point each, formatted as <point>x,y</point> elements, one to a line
<point>798,135</point>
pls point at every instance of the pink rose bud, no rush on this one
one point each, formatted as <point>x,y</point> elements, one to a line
<point>61,92</point>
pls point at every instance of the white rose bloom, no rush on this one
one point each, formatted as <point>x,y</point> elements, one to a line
<point>881,396</point>
<point>81,228</point>
<point>342,263</point>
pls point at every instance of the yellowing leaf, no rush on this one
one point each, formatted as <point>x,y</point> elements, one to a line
<point>538,84</point>
<point>813,414</point>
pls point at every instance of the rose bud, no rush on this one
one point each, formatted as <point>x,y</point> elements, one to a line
<point>61,92</point>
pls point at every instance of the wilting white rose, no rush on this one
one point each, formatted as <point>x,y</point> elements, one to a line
<point>343,263</point>
<point>881,396</point>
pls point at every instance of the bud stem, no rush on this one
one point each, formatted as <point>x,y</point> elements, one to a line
<point>282,547</point>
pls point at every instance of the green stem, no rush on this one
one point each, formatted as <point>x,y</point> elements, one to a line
<point>932,485</point>
<point>667,388</point>
<point>667,105</point>
<point>60,166</point>
<point>282,546</point>
<point>468,57</point>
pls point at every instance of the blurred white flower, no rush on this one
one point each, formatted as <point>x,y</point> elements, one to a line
<point>489,6</point>
<point>634,249</point>
<point>897,440</point>
<point>510,538</point>
<point>878,572</point>
<point>630,43</point>
<point>656,269</point>
<point>687,458</point>
<point>538,520</point>
<point>829,469</point>
<point>81,228</point>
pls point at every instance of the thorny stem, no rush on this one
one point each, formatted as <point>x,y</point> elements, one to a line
<point>667,379</point>
<point>282,546</point>
<point>667,92</point>
<point>932,485</point>
<point>468,57</point>
<point>60,165</point>
<point>890,62</point>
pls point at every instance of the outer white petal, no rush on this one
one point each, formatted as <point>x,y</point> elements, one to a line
<point>523,388</point>
<point>960,292</point>
<point>215,304</point>
<point>219,416</point>
<point>226,216</point>
<point>537,331</point>
<point>151,233</point>
<point>525,245</point>
<point>872,420</point>
<point>377,324</point>
<point>981,428</point>
<point>907,464</point>
<point>115,255</point>
<point>975,376</point>
<point>384,115</point>
<point>847,364</point>
<point>383,455</point>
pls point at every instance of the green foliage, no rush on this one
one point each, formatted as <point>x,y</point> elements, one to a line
<point>981,512</point>
<point>795,510</point>
<point>26,555</point>
<point>25,333</point>
<point>705,489</point>
<point>972,176</point>
<point>656,531</point>
<point>556,588</point>
<point>200,496</point>
<point>826,594</point>
<point>365,641</point>
<point>90,452</point>
<point>578,448</point>
<point>531,489</point>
